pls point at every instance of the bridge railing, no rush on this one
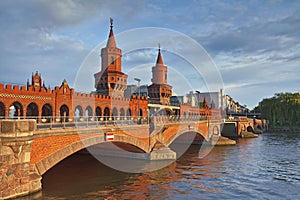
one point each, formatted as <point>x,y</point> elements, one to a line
<point>88,121</point>
<point>50,122</point>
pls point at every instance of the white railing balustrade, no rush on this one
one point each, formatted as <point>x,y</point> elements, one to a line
<point>51,122</point>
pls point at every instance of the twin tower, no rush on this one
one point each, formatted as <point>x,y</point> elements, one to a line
<point>111,81</point>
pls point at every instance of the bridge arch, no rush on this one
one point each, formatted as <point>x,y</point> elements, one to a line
<point>47,110</point>
<point>88,111</point>
<point>98,113</point>
<point>2,110</point>
<point>115,113</point>
<point>64,112</point>
<point>182,132</point>
<point>54,158</point>
<point>78,112</point>
<point>128,113</point>
<point>250,129</point>
<point>32,110</point>
<point>122,113</point>
<point>18,109</point>
<point>106,113</point>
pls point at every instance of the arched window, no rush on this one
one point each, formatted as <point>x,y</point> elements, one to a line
<point>47,112</point>
<point>98,113</point>
<point>2,110</point>
<point>64,112</point>
<point>32,111</point>
<point>78,113</point>
<point>112,60</point>
<point>122,113</point>
<point>16,110</point>
<point>128,113</point>
<point>115,113</point>
<point>106,113</point>
<point>89,112</point>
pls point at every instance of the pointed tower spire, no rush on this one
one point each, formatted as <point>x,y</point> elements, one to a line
<point>111,38</point>
<point>159,60</point>
<point>111,81</point>
<point>159,91</point>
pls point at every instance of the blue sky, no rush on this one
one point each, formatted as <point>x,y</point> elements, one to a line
<point>255,45</point>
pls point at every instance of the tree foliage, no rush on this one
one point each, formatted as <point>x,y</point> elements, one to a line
<point>281,109</point>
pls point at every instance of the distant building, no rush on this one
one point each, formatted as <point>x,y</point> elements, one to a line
<point>232,107</point>
<point>133,90</point>
<point>213,99</point>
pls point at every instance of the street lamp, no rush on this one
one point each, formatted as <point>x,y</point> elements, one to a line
<point>139,91</point>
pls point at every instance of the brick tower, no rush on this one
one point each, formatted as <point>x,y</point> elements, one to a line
<point>111,81</point>
<point>159,91</point>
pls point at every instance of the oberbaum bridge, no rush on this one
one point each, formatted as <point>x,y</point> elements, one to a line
<point>40,127</point>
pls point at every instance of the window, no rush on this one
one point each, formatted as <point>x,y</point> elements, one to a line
<point>112,60</point>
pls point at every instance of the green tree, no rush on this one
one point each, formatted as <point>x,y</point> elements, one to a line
<point>281,109</point>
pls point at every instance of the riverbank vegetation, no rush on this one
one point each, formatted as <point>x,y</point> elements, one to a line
<point>283,109</point>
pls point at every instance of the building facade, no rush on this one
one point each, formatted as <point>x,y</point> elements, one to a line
<point>108,102</point>
<point>64,104</point>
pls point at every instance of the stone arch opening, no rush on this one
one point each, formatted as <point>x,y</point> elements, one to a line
<point>128,113</point>
<point>15,110</point>
<point>32,111</point>
<point>115,113</point>
<point>128,143</point>
<point>106,113</point>
<point>64,112</point>
<point>46,112</point>
<point>2,110</point>
<point>98,113</point>
<point>78,112</point>
<point>183,140</point>
<point>250,129</point>
<point>89,112</point>
<point>192,137</point>
<point>122,113</point>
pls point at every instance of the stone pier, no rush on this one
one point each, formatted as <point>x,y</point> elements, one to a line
<point>17,176</point>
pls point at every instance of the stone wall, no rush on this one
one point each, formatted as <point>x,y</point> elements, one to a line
<point>17,176</point>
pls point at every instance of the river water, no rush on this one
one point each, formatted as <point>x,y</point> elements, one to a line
<point>267,167</point>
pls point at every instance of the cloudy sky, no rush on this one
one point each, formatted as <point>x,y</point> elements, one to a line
<point>255,45</point>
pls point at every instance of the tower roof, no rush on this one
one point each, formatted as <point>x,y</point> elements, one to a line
<point>159,60</point>
<point>111,38</point>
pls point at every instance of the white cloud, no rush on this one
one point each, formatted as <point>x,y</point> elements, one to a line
<point>252,43</point>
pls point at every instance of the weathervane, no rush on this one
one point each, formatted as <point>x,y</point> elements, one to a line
<point>111,22</point>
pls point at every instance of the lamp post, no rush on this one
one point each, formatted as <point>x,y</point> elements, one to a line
<point>139,91</point>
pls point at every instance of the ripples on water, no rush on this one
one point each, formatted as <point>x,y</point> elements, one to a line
<point>259,168</point>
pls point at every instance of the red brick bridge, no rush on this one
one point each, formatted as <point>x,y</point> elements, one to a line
<point>26,152</point>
